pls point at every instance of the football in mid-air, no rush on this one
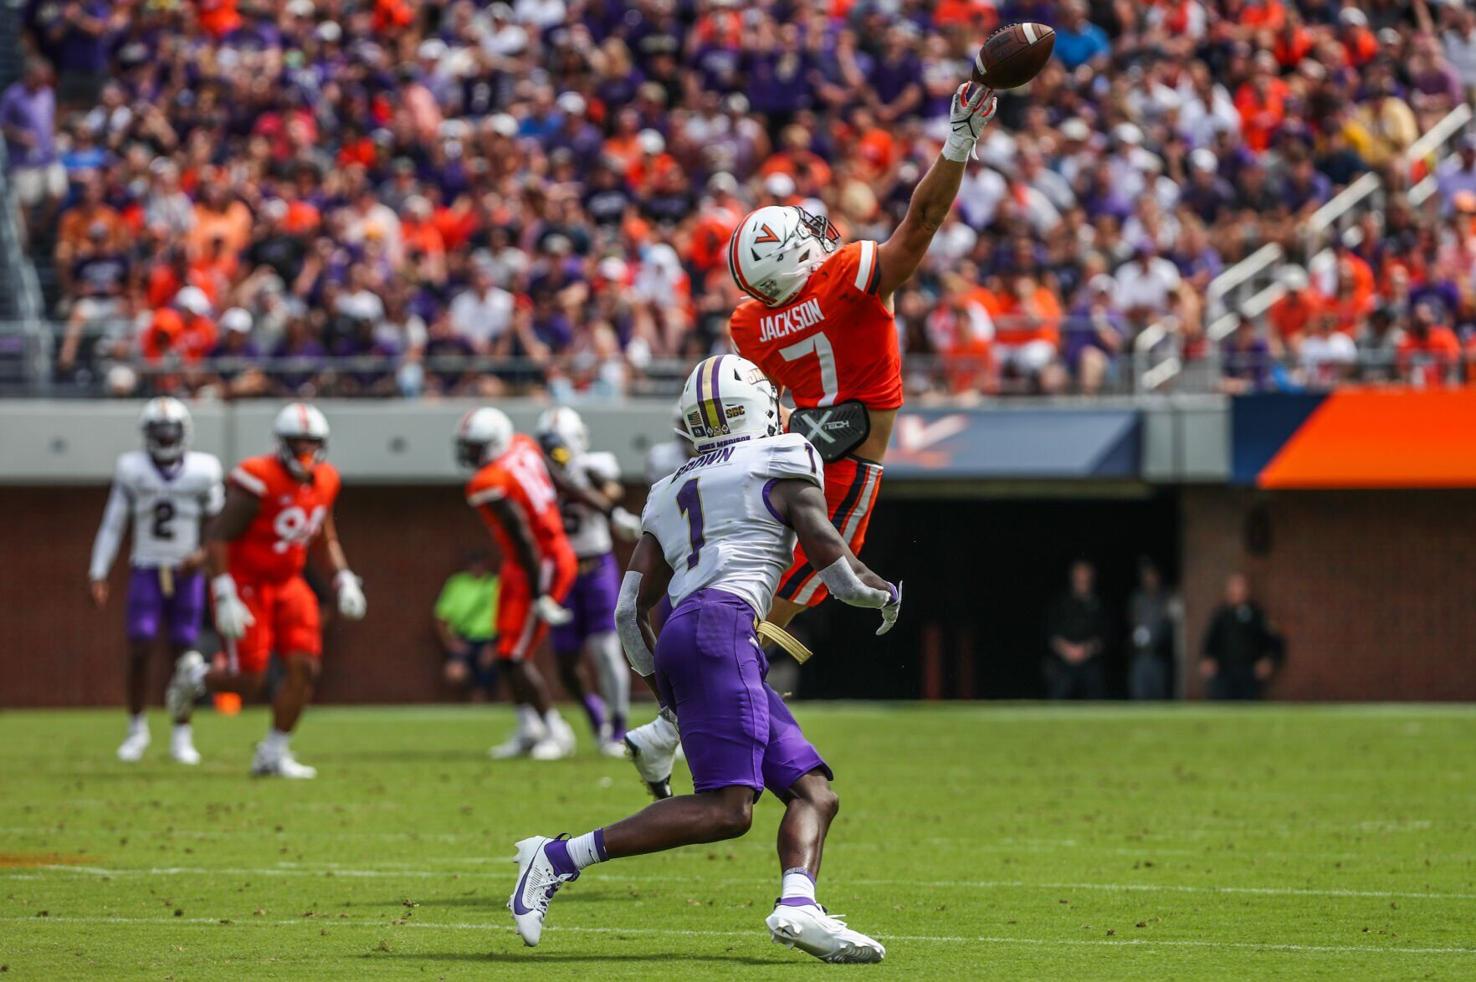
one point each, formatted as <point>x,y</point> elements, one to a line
<point>1013,55</point>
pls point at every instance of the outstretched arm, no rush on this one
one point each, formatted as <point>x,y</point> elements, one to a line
<point>900,255</point>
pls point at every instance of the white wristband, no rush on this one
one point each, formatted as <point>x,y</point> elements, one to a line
<point>847,587</point>
<point>959,147</point>
<point>627,624</point>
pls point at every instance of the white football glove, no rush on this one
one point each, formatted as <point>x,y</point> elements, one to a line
<point>232,616</point>
<point>625,525</point>
<point>972,109</point>
<point>891,610</point>
<point>550,612</point>
<point>351,602</point>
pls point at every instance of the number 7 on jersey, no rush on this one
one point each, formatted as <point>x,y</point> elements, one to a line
<point>818,345</point>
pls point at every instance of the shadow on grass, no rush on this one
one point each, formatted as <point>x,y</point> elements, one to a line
<point>493,900</point>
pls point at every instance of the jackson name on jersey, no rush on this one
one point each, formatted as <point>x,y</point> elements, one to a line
<point>714,521</point>
<point>166,505</point>
<point>834,341</point>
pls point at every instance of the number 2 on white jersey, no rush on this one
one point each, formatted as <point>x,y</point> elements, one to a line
<point>819,345</point>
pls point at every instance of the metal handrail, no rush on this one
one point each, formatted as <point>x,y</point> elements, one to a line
<point>1244,273</point>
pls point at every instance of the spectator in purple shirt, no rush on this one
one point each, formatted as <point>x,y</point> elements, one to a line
<point>298,344</point>
<point>235,358</point>
<point>1246,360</point>
<point>896,77</point>
<point>28,120</point>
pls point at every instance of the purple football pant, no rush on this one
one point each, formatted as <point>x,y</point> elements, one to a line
<point>148,608</point>
<point>735,729</point>
<point>592,601</point>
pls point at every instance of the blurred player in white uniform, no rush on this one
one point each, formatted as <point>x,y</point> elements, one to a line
<point>716,535</point>
<point>589,487</point>
<point>168,491</point>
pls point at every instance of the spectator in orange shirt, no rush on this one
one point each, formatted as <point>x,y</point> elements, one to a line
<point>720,213</point>
<point>1261,102</point>
<point>959,330</point>
<point>651,164</point>
<point>1352,295</point>
<point>1266,15</point>
<point>1293,42</point>
<point>1357,40</point>
<point>1294,309</point>
<point>1428,353</point>
<point>219,215</point>
<point>1027,333</point>
<point>183,329</point>
<point>77,224</point>
<point>797,158</point>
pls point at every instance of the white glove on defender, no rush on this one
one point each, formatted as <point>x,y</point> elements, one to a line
<point>232,616</point>
<point>892,609</point>
<point>625,524</point>
<point>351,602</point>
<point>549,611</point>
<point>972,109</point>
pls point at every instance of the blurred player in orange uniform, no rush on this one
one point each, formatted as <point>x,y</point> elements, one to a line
<point>277,506</point>
<point>516,499</point>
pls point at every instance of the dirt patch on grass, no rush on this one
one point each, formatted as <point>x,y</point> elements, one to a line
<point>23,860</point>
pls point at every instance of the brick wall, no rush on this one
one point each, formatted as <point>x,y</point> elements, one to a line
<point>1371,589</point>
<point>56,650</point>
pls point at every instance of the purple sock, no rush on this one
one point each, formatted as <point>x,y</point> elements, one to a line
<point>594,708</point>
<point>617,725</point>
<point>557,851</point>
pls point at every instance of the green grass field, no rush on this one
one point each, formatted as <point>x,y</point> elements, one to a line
<point>977,842</point>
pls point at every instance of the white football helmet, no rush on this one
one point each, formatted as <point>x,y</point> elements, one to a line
<point>302,438</point>
<point>775,248</point>
<point>726,399</point>
<point>482,436</point>
<point>167,429</point>
<point>562,434</point>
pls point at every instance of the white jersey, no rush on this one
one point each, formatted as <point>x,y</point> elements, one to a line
<point>589,530</point>
<point>663,458</point>
<point>167,507</point>
<point>715,524</point>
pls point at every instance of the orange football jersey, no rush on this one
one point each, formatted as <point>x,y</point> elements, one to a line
<point>274,547</point>
<point>834,341</point>
<point>520,477</point>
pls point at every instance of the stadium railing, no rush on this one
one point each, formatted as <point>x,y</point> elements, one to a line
<point>1251,286</point>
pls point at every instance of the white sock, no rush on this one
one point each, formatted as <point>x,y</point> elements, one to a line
<point>528,722</point>
<point>137,724</point>
<point>197,675</point>
<point>552,721</point>
<point>183,731</point>
<point>797,885</point>
<point>613,671</point>
<point>276,741</point>
<point>583,851</point>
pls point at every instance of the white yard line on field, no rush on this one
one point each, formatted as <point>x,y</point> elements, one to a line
<point>325,922</point>
<point>349,872</point>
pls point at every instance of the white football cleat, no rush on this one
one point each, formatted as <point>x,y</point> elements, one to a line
<point>538,881</point>
<point>550,748</point>
<point>812,930</point>
<point>182,749</point>
<point>280,764</point>
<point>653,748</point>
<point>131,750</point>
<point>185,686</point>
<point>520,744</point>
<point>613,748</point>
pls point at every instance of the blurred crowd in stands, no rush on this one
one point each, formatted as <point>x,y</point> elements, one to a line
<point>462,197</point>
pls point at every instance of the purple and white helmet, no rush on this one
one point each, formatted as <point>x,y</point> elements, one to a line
<point>726,399</point>
<point>167,429</point>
